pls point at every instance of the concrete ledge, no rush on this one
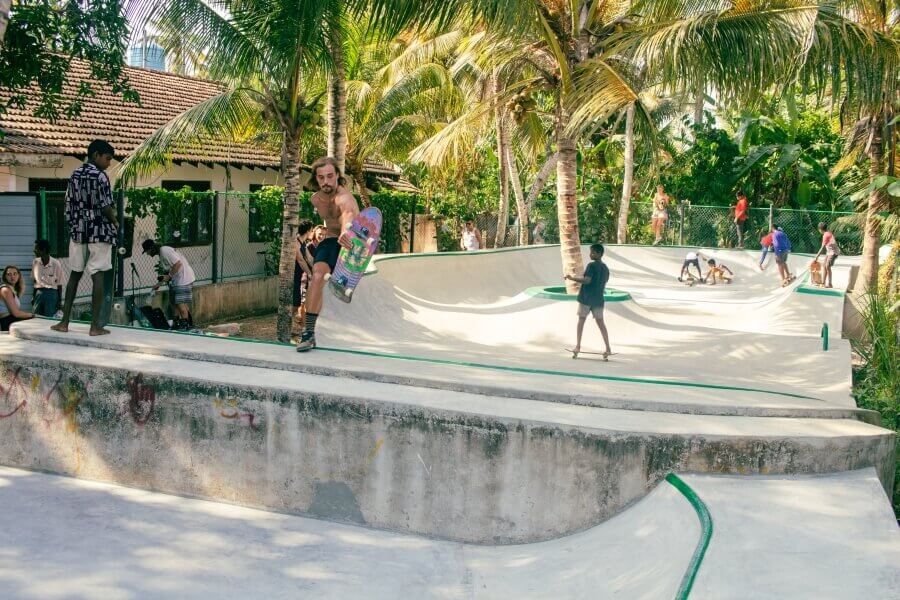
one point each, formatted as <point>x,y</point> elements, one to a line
<point>451,465</point>
<point>571,387</point>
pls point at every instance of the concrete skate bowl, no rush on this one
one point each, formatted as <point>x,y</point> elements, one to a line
<point>486,308</point>
<point>444,404</point>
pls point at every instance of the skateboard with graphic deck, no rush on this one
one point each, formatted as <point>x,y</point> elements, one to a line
<point>575,354</point>
<point>364,233</point>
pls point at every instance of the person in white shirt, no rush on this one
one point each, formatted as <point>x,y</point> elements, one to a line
<point>180,278</point>
<point>48,276</point>
<point>471,237</point>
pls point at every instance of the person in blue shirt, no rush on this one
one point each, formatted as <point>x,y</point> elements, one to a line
<point>782,246</point>
<point>590,297</point>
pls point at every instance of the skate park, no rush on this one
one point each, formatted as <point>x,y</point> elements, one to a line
<point>718,453</point>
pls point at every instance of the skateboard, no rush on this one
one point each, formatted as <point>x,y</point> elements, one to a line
<point>365,231</point>
<point>575,354</point>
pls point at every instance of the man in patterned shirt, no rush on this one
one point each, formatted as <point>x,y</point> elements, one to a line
<point>91,218</point>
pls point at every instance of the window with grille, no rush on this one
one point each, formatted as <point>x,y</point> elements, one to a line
<point>192,223</point>
<point>54,203</point>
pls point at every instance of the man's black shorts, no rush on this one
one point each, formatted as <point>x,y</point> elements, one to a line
<point>327,252</point>
<point>693,261</point>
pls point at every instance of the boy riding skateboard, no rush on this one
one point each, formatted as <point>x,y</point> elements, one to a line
<point>591,297</point>
<point>337,207</point>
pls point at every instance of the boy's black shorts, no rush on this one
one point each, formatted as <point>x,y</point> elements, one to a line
<point>327,252</point>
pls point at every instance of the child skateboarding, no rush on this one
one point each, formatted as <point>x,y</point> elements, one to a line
<point>691,259</point>
<point>782,246</point>
<point>337,207</point>
<point>590,297</point>
<point>831,250</point>
<point>718,271</point>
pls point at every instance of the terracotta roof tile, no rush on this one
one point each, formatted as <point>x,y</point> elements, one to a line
<point>125,124</point>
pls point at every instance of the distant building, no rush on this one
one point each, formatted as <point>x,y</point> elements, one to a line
<point>148,56</point>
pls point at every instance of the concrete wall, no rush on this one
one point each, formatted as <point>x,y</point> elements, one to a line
<point>237,257</point>
<point>389,465</point>
<point>213,302</point>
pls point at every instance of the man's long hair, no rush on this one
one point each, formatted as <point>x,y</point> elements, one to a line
<point>327,160</point>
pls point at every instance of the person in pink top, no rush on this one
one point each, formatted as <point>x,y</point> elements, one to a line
<point>740,215</point>
<point>831,250</point>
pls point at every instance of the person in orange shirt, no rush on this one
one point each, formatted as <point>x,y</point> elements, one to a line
<point>740,215</point>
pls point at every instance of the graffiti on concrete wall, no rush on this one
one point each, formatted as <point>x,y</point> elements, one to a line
<point>228,409</point>
<point>14,396</point>
<point>142,399</point>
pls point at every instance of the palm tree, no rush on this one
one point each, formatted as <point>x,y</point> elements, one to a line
<point>398,94</point>
<point>844,50</point>
<point>269,54</point>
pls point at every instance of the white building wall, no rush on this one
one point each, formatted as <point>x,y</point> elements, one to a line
<point>236,257</point>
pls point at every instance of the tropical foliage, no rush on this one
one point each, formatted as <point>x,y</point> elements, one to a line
<point>42,38</point>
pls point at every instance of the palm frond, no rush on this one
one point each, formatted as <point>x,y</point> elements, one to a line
<point>234,114</point>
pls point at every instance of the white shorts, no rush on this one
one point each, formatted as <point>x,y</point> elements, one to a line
<point>660,214</point>
<point>93,258</point>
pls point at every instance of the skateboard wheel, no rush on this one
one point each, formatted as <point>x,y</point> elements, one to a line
<point>370,241</point>
<point>121,250</point>
<point>348,293</point>
<point>327,276</point>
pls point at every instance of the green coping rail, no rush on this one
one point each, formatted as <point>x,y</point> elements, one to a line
<point>475,365</point>
<point>706,531</point>
<point>558,292</point>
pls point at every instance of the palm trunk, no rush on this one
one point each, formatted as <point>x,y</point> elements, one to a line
<point>540,181</point>
<point>290,159</point>
<point>521,207</point>
<point>698,107</point>
<point>567,202</point>
<point>359,178</point>
<point>503,209</point>
<point>625,204</point>
<point>337,105</point>
<point>4,17</point>
<point>868,269</point>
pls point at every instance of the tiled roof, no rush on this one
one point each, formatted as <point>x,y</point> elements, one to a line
<point>125,124</point>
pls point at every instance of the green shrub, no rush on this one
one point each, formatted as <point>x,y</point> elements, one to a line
<point>877,382</point>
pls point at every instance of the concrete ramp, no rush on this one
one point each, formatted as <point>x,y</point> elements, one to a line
<point>442,442</point>
<point>765,537</point>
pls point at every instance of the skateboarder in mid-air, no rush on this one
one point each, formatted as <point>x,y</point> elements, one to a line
<point>590,297</point>
<point>337,207</point>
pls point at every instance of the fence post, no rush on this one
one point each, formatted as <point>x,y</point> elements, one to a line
<point>771,216</point>
<point>681,222</point>
<point>215,238</point>
<point>412,228</point>
<point>120,235</point>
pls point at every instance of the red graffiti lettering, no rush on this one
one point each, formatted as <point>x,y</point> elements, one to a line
<point>14,382</point>
<point>142,400</point>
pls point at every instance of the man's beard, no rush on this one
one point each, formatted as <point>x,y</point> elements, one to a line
<point>327,189</point>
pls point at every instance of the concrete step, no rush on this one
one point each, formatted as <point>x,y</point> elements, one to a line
<point>572,385</point>
<point>454,465</point>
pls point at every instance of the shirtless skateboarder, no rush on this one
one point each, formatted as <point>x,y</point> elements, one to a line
<point>337,207</point>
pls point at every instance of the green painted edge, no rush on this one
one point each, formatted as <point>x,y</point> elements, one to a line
<point>816,291</point>
<point>609,295</point>
<point>528,371</point>
<point>706,531</point>
<point>462,363</point>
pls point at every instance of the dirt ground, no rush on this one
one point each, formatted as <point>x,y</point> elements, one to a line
<point>260,327</point>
